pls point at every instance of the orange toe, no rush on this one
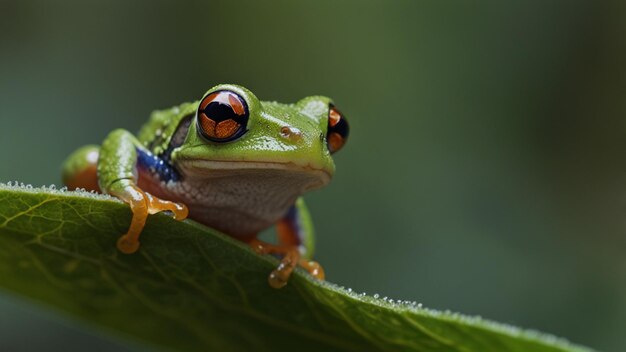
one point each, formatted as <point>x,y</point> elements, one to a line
<point>291,258</point>
<point>143,203</point>
<point>314,268</point>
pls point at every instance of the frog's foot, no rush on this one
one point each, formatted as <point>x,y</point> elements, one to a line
<point>291,255</point>
<point>291,258</point>
<point>314,268</point>
<point>141,203</point>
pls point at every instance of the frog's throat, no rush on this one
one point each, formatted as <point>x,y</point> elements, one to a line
<point>206,166</point>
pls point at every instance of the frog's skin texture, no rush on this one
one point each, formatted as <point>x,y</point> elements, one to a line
<point>229,161</point>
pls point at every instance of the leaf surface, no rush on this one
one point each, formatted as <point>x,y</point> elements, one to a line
<point>192,288</point>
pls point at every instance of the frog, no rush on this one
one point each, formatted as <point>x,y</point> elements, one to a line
<point>228,161</point>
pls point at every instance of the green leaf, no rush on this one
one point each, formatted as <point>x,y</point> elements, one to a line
<point>191,288</point>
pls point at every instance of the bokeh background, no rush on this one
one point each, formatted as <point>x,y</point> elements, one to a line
<point>484,174</point>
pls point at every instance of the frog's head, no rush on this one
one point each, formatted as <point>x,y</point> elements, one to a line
<point>233,132</point>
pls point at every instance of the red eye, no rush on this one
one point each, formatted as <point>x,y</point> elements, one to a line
<point>222,116</point>
<point>338,130</point>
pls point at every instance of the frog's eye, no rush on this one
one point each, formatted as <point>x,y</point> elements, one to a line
<point>338,130</point>
<point>222,116</point>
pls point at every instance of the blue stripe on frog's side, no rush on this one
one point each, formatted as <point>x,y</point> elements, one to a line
<point>293,219</point>
<point>156,166</point>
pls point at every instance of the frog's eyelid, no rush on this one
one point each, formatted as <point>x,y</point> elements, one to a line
<point>275,120</point>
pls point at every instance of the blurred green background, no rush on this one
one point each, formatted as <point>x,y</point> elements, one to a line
<point>485,170</point>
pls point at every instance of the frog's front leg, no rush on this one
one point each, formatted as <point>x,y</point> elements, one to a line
<point>296,244</point>
<point>117,175</point>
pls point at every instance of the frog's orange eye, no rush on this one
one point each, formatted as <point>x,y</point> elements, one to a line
<point>222,116</point>
<point>338,130</point>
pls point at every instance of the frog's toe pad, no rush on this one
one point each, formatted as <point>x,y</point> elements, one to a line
<point>276,280</point>
<point>280,276</point>
<point>127,245</point>
<point>314,268</point>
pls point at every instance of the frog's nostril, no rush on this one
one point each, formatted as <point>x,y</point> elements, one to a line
<point>290,133</point>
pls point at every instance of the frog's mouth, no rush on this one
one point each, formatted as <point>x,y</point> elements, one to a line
<point>312,176</point>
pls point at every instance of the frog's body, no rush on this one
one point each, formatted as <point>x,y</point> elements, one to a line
<point>233,162</point>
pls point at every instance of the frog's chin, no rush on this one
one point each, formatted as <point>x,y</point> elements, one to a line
<point>218,168</point>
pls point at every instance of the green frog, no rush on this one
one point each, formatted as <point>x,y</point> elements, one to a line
<point>229,161</point>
